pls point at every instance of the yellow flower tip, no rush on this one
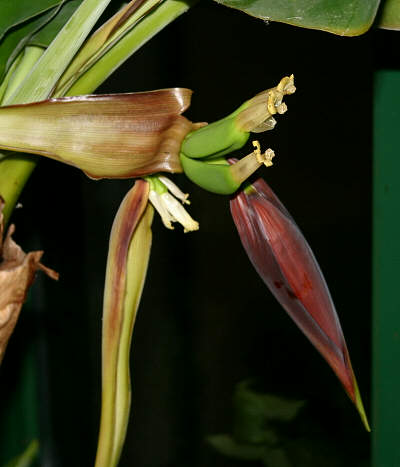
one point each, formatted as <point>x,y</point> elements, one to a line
<point>193,227</point>
<point>360,407</point>
<point>265,158</point>
<point>286,85</point>
<point>271,102</point>
<point>281,108</point>
<point>269,154</point>
<point>256,144</point>
<point>257,114</point>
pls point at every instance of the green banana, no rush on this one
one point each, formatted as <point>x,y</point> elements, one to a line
<point>219,177</point>
<point>203,150</point>
<point>215,140</point>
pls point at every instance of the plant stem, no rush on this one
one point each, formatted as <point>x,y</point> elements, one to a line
<point>14,173</point>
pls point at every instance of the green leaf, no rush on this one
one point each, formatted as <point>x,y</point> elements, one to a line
<point>14,12</point>
<point>390,15</point>
<point>115,42</point>
<point>14,41</point>
<point>39,83</point>
<point>103,40</point>
<point>46,34</point>
<point>27,457</point>
<point>343,17</point>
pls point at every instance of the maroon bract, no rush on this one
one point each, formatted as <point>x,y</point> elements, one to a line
<point>283,259</point>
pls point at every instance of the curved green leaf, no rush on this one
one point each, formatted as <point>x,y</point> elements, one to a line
<point>15,41</point>
<point>343,17</point>
<point>390,15</point>
<point>47,33</point>
<point>14,12</point>
<point>45,74</point>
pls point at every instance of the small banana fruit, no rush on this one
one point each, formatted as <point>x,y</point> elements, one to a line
<point>203,151</point>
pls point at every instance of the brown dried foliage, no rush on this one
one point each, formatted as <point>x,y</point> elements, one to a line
<point>17,272</point>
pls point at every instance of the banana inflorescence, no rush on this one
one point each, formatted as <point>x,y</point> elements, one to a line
<point>203,151</point>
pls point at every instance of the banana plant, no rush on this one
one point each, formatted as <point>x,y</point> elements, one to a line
<point>50,62</point>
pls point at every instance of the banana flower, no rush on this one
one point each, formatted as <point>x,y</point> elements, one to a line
<point>283,259</point>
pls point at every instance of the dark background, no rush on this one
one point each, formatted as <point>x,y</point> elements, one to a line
<point>206,321</point>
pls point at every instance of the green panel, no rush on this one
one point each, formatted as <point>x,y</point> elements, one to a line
<point>386,271</point>
<point>343,17</point>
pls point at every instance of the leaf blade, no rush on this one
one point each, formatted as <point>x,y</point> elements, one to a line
<point>43,77</point>
<point>15,41</point>
<point>338,17</point>
<point>13,13</point>
<point>46,34</point>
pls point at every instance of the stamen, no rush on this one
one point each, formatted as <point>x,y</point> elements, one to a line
<point>265,158</point>
<point>179,213</point>
<point>269,155</point>
<point>174,189</point>
<point>169,208</point>
<point>159,206</point>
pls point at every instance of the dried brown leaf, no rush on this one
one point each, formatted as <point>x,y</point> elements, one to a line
<point>17,272</point>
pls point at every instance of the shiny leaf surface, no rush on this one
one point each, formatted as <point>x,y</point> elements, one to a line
<point>13,13</point>
<point>15,40</point>
<point>47,33</point>
<point>343,17</point>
